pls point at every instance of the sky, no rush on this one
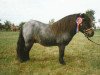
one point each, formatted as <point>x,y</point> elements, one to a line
<point>18,11</point>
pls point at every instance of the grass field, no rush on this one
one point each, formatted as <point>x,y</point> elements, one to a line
<point>82,57</point>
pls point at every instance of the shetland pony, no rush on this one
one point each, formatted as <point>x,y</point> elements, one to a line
<point>58,34</point>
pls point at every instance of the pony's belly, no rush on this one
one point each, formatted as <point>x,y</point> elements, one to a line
<point>48,42</point>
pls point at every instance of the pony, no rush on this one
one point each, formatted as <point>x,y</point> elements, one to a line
<point>59,34</point>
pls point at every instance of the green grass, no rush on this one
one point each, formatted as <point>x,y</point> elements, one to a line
<point>82,57</point>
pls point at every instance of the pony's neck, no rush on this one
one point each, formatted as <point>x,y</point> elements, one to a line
<point>66,24</point>
<point>73,31</point>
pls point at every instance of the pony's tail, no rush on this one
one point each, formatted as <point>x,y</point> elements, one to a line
<point>21,52</point>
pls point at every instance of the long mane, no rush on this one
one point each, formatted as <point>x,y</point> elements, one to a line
<point>65,24</point>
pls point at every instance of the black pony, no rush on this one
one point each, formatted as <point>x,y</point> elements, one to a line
<point>58,34</point>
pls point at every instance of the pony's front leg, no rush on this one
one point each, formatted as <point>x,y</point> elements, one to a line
<point>61,54</point>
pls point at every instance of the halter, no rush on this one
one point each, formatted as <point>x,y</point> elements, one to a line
<point>88,29</point>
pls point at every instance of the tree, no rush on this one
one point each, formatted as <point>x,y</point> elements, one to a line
<point>7,25</point>
<point>91,13</point>
<point>14,28</point>
<point>99,23</point>
<point>21,24</point>
<point>1,26</point>
<point>51,21</point>
<point>99,20</point>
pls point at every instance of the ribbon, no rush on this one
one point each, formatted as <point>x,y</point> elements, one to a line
<point>78,21</point>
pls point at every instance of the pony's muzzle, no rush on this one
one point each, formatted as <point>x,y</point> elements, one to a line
<point>89,32</point>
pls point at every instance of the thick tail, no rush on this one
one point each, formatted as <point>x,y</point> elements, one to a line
<point>22,54</point>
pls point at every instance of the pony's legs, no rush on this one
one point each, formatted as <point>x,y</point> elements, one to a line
<point>28,46</point>
<point>24,45</point>
<point>61,54</point>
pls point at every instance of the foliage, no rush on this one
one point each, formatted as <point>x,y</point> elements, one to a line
<point>91,13</point>
<point>1,26</point>
<point>21,24</point>
<point>51,21</point>
<point>99,23</point>
<point>98,20</point>
<point>7,25</point>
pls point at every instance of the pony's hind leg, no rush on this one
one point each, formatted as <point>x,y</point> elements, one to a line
<point>28,46</point>
<point>24,45</point>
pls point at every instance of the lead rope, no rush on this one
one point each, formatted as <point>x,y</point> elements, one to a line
<point>92,41</point>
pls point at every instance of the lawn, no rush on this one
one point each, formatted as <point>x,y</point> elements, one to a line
<point>82,57</point>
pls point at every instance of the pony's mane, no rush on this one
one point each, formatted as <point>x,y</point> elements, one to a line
<point>65,24</point>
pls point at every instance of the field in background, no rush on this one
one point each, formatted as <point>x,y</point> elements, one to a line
<point>82,57</point>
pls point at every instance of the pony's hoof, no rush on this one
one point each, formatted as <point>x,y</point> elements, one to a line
<point>63,63</point>
<point>23,60</point>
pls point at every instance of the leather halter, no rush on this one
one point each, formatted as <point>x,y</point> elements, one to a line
<point>88,29</point>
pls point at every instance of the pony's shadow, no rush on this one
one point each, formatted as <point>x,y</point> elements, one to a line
<point>67,58</point>
<point>46,58</point>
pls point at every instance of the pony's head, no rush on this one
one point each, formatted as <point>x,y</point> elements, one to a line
<point>85,25</point>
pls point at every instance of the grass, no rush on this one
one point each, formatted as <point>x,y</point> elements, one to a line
<point>82,57</point>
